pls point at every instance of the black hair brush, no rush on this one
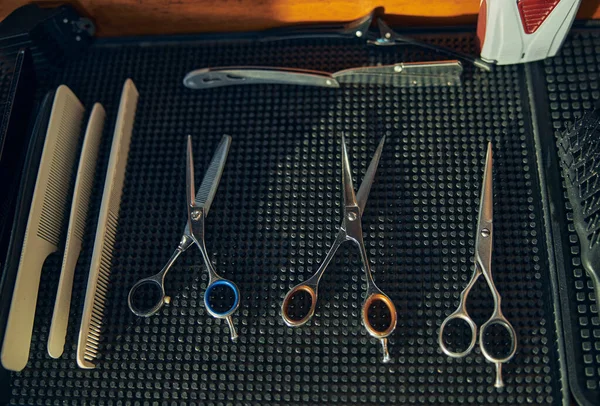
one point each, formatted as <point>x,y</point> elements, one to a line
<point>579,152</point>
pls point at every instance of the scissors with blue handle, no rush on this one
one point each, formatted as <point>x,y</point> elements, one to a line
<point>378,311</point>
<point>222,296</point>
<point>483,266</point>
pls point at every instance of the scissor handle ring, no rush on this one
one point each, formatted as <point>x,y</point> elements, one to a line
<point>292,322</point>
<point>236,293</point>
<point>459,315</point>
<point>152,310</point>
<point>501,320</point>
<point>379,297</point>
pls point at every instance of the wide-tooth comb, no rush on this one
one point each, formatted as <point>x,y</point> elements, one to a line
<point>45,222</point>
<point>579,152</point>
<point>79,209</point>
<point>106,231</point>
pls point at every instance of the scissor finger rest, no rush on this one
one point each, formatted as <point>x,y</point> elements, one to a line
<point>147,296</point>
<point>459,315</point>
<point>299,305</point>
<point>221,299</point>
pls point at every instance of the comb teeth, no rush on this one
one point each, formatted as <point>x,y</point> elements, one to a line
<point>97,315</point>
<point>44,223</point>
<point>106,231</point>
<point>87,182</point>
<point>55,198</point>
<point>82,191</point>
<point>579,152</point>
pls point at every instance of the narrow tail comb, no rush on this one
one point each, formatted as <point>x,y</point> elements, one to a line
<point>579,153</point>
<point>45,223</point>
<point>79,208</point>
<point>106,231</point>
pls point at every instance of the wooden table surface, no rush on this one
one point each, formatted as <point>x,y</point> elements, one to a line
<point>143,17</point>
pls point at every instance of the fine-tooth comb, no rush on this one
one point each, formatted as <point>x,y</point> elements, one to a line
<point>45,222</point>
<point>79,209</point>
<point>106,231</point>
<point>579,152</point>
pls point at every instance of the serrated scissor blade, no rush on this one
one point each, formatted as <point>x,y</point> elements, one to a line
<point>211,180</point>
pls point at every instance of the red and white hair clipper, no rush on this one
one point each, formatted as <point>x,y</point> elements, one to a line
<point>518,31</point>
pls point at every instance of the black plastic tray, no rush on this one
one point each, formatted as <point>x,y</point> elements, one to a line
<point>568,85</point>
<point>274,216</point>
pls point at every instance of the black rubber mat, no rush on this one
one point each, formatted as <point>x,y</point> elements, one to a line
<point>573,86</point>
<point>274,217</point>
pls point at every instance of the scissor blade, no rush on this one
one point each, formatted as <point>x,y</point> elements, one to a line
<point>486,207</point>
<point>349,196</point>
<point>211,180</point>
<point>189,178</point>
<point>365,186</point>
<point>487,193</point>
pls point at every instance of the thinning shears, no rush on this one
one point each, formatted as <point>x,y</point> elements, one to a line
<point>222,296</point>
<point>483,266</point>
<point>378,311</point>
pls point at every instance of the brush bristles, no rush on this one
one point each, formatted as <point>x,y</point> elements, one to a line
<point>579,152</point>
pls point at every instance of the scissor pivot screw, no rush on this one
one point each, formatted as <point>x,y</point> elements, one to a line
<point>485,232</point>
<point>352,216</point>
<point>359,34</point>
<point>196,214</point>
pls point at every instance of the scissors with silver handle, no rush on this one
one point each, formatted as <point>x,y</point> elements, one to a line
<point>378,312</point>
<point>483,266</point>
<point>222,296</point>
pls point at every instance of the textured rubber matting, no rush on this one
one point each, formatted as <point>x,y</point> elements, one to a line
<point>274,217</point>
<point>573,84</point>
